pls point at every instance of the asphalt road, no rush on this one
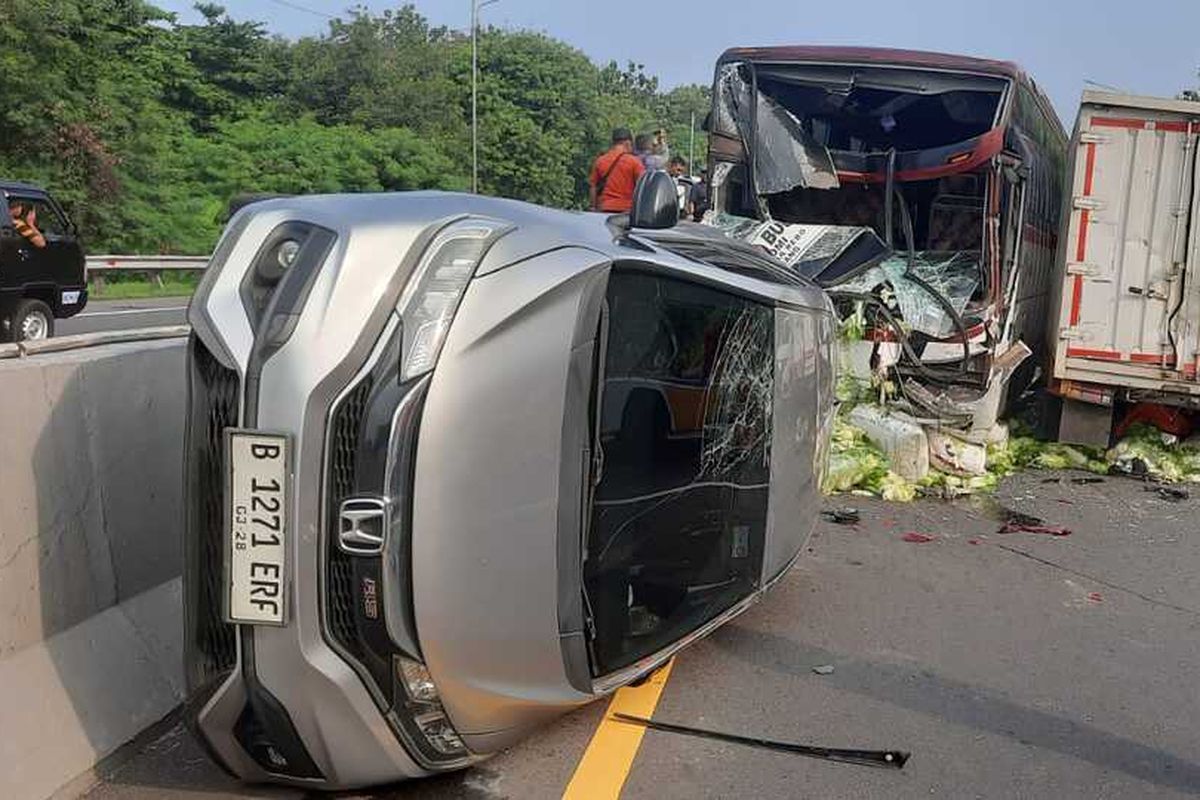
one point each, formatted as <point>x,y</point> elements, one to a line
<point>1011,666</point>
<point>120,315</point>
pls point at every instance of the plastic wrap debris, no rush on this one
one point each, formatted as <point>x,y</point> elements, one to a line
<point>956,455</point>
<point>785,155</point>
<point>901,438</point>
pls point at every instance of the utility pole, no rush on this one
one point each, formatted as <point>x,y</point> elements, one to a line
<point>475,6</point>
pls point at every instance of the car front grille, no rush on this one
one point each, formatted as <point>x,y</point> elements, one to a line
<point>213,406</point>
<point>343,447</point>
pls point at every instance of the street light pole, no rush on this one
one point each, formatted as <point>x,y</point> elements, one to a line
<point>692,145</point>
<point>475,6</point>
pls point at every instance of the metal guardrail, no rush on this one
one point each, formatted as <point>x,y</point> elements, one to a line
<point>145,263</point>
<point>152,266</point>
<point>83,340</point>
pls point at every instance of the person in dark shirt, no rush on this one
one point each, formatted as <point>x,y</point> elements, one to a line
<point>698,197</point>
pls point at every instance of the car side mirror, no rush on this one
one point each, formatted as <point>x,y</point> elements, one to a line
<point>655,202</point>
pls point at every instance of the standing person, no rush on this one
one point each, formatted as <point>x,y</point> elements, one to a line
<point>653,150</point>
<point>643,148</point>
<point>698,197</point>
<point>678,170</point>
<point>615,174</point>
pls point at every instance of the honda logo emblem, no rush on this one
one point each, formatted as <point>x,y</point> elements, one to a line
<point>362,525</point>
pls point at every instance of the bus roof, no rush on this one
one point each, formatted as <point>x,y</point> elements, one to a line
<point>878,55</point>
<point>887,56</point>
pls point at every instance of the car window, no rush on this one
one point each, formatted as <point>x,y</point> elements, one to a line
<point>679,514</point>
<point>46,218</point>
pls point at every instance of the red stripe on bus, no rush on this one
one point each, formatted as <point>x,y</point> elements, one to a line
<point>1139,124</point>
<point>988,145</point>
<point>1083,352</point>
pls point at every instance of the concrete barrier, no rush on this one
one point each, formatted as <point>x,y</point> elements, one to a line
<point>91,442</point>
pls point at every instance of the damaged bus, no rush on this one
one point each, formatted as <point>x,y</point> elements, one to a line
<point>922,190</point>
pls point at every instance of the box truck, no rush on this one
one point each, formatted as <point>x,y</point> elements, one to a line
<point>1128,265</point>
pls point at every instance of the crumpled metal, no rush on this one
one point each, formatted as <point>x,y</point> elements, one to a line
<point>785,155</point>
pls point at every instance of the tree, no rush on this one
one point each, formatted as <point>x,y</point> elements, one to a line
<point>146,127</point>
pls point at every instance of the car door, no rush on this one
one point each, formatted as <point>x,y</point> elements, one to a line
<point>44,264</point>
<point>10,254</point>
<point>60,261</point>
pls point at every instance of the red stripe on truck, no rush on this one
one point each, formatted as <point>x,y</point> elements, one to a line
<point>1131,123</point>
<point>1152,358</point>
<point>1083,352</point>
<point>1085,219</point>
<point>1076,299</point>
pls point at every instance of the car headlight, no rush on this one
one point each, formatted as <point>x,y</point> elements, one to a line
<point>431,298</point>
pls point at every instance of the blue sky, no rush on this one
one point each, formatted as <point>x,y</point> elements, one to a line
<point>1145,46</point>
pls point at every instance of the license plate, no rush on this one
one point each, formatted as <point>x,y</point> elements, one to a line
<point>257,527</point>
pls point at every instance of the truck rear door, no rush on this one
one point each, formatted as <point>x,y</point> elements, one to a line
<point>1128,308</point>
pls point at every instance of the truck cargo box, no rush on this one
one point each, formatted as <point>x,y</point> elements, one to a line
<point>1129,289</point>
<point>1128,316</point>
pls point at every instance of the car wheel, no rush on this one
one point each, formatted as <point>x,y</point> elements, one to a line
<point>32,320</point>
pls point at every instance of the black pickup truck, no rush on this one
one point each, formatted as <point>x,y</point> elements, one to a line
<point>42,267</point>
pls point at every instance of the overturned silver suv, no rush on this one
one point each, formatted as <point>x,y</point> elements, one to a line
<point>457,465</point>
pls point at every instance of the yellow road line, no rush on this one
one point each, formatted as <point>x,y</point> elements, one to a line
<point>606,763</point>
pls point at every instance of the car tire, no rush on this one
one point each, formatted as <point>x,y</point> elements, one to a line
<point>31,320</point>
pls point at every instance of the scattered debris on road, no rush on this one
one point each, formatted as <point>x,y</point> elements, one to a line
<point>887,759</point>
<point>841,516</point>
<point>917,538</point>
<point>880,458</point>
<point>1021,527</point>
<point>824,669</point>
<point>1010,517</point>
<point>1171,493</point>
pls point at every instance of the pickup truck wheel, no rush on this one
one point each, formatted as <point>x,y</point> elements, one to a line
<point>32,320</point>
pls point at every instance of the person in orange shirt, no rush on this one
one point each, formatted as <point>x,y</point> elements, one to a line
<point>25,221</point>
<point>615,174</point>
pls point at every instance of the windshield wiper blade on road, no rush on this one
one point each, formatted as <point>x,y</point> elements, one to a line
<point>886,759</point>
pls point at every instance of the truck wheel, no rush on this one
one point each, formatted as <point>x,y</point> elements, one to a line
<point>32,320</point>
